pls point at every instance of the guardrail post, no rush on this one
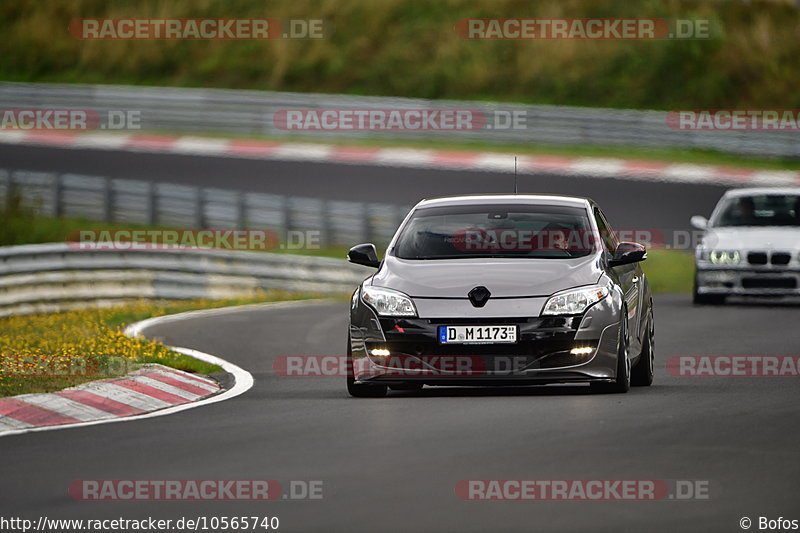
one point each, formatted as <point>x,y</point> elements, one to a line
<point>152,204</point>
<point>58,193</point>
<point>241,210</point>
<point>108,201</point>
<point>326,231</point>
<point>198,209</point>
<point>11,192</point>
<point>367,227</point>
<point>286,209</point>
<point>399,214</point>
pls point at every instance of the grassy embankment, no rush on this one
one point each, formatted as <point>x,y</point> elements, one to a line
<point>397,47</point>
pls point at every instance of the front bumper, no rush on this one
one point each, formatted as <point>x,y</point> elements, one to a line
<point>540,355</point>
<point>747,281</point>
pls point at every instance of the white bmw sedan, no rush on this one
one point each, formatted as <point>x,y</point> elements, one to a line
<point>751,246</point>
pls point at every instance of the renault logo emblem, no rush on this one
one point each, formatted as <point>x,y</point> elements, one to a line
<point>479,296</point>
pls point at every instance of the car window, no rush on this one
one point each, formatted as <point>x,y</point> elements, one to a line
<point>523,231</point>
<point>760,210</point>
<point>607,236</point>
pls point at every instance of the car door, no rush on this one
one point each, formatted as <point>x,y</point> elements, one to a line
<point>629,278</point>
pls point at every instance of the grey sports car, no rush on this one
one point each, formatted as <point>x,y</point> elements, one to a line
<point>501,290</point>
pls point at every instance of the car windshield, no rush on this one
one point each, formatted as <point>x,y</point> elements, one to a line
<point>760,210</point>
<point>474,231</point>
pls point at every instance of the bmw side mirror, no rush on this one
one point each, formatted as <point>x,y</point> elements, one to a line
<point>627,253</point>
<point>699,222</point>
<point>364,254</point>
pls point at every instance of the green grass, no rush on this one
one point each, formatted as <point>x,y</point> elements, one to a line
<point>409,48</point>
<point>669,271</point>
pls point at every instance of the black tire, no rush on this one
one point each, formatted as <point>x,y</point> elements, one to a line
<point>360,390</point>
<point>706,299</point>
<point>408,385</point>
<point>642,373</point>
<point>622,382</point>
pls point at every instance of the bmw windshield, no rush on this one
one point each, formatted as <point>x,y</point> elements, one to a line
<point>760,210</point>
<point>505,231</point>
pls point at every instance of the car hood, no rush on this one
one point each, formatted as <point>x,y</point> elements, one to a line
<point>753,238</point>
<point>454,278</point>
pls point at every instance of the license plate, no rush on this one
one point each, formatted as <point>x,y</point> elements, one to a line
<point>477,334</point>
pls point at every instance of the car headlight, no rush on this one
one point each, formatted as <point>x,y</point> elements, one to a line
<point>725,257</point>
<point>574,301</point>
<point>387,302</point>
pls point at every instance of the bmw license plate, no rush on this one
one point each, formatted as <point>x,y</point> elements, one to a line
<point>477,334</point>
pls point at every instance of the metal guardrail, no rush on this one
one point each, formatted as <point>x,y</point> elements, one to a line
<point>51,277</point>
<point>252,112</point>
<point>125,201</point>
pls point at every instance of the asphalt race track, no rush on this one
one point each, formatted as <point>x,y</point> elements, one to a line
<point>629,204</point>
<point>391,464</point>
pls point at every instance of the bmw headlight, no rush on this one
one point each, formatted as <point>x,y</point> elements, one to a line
<point>725,257</point>
<point>387,302</point>
<point>574,301</point>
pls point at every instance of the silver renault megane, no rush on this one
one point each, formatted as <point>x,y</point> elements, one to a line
<point>501,290</point>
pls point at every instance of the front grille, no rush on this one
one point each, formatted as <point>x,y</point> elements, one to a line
<point>769,283</point>
<point>543,341</point>
<point>781,258</point>
<point>762,258</point>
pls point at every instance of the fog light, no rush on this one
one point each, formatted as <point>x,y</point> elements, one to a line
<point>584,350</point>
<point>379,352</point>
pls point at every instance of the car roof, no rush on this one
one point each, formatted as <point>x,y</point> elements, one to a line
<point>483,199</point>
<point>756,191</point>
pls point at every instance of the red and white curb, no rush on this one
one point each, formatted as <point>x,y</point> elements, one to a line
<point>407,157</point>
<point>150,388</point>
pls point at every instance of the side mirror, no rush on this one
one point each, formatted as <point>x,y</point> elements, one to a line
<point>364,254</point>
<point>699,222</point>
<point>627,253</point>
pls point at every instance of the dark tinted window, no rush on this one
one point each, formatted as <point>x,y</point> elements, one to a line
<point>760,210</point>
<point>606,234</point>
<point>527,231</point>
